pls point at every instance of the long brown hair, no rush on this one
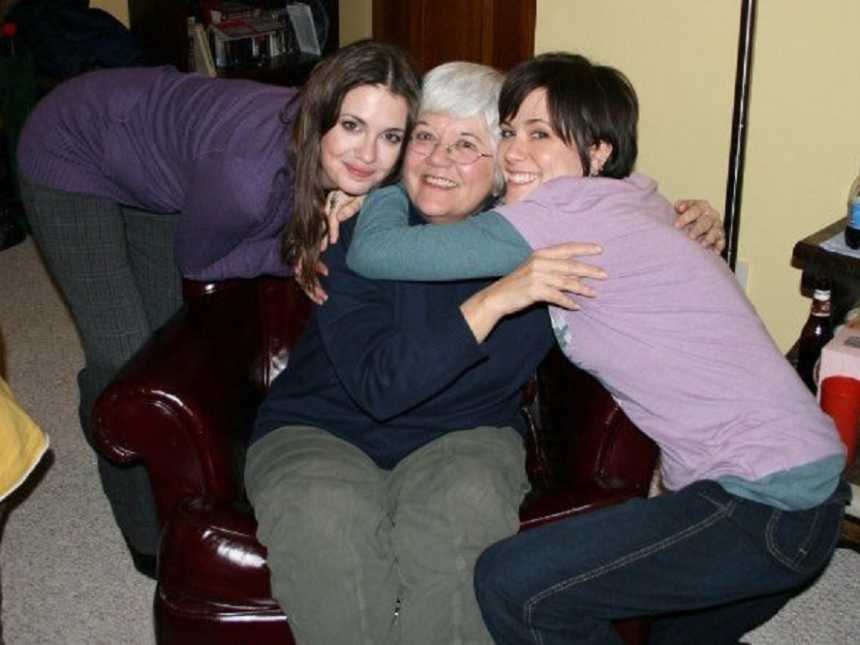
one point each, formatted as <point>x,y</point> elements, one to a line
<point>362,63</point>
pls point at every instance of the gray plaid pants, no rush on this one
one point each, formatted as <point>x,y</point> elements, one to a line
<point>115,267</point>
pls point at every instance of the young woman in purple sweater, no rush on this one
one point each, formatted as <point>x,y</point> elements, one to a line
<point>135,178</point>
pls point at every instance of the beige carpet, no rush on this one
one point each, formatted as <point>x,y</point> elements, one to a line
<point>66,577</point>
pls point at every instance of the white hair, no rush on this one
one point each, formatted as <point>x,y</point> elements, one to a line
<point>465,90</point>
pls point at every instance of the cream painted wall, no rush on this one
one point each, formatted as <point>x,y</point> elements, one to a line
<point>355,20</point>
<point>803,145</point>
<point>118,8</point>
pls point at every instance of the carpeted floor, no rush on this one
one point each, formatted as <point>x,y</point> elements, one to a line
<point>66,577</point>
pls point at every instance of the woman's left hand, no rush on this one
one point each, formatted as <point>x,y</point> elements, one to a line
<point>702,222</point>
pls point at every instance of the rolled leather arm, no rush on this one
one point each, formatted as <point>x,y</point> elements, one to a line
<point>210,551</point>
<point>183,403</point>
<point>592,452</point>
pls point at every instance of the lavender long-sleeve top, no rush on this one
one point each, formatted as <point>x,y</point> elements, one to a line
<point>212,152</point>
<point>671,334</point>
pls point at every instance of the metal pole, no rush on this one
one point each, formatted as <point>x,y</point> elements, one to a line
<point>734,183</point>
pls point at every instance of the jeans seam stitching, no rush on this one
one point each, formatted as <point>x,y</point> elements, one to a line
<point>774,550</point>
<point>723,512</point>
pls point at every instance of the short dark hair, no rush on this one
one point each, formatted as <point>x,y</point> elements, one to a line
<point>587,104</point>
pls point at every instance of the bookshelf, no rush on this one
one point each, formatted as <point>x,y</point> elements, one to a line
<point>160,27</point>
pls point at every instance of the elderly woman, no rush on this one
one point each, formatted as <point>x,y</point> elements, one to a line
<point>389,454</point>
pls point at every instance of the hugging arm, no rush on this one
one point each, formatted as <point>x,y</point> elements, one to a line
<point>386,247</point>
<point>539,280</point>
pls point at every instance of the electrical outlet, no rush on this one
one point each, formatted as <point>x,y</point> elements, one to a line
<point>742,273</point>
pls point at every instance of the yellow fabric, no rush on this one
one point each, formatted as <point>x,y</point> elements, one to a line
<point>22,442</point>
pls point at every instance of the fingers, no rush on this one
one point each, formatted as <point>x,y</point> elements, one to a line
<point>559,299</point>
<point>703,223</point>
<point>549,276</point>
<point>570,249</point>
<point>682,205</point>
<point>708,231</point>
<point>334,198</point>
<point>350,207</point>
<point>575,285</point>
<point>689,210</point>
<point>340,207</point>
<point>715,239</point>
<point>560,275</point>
<point>577,268</point>
<point>551,289</point>
<point>542,268</point>
<point>313,290</point>
<point>317,294</point>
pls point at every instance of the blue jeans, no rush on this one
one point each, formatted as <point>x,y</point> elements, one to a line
<point>721,564</point>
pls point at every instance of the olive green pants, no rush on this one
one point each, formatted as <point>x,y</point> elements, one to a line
<point>362,555</point>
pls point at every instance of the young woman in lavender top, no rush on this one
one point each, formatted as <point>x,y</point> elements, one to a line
<point>752,465</point>
<point>135,178</point>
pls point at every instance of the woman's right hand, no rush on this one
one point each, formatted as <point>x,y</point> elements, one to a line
<point>549,275</point>
<point>339,207</point>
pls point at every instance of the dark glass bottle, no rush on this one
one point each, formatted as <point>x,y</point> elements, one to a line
<point>814,336</point>
<point>852,227</point>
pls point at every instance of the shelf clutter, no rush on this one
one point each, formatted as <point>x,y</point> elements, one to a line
<point>233,35</point>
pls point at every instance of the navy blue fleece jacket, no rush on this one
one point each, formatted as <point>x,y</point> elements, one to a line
<point>390,366</point>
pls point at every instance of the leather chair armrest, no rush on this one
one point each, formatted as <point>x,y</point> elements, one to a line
<point>587,443</point>
<point>210,551</point>
<point>184,402</point>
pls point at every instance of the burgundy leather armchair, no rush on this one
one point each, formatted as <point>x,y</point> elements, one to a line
<point>184,406</point>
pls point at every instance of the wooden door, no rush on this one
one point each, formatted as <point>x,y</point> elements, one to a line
<point>494,32</point>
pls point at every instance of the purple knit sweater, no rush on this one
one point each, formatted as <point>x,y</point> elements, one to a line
<point>213,152</point>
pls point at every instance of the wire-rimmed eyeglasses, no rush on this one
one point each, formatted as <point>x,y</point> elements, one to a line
<point>462,152</point>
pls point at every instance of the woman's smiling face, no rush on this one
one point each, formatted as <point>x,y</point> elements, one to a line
<point>441,189</point>
<point>531,152</point>
<point>363,146</point>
